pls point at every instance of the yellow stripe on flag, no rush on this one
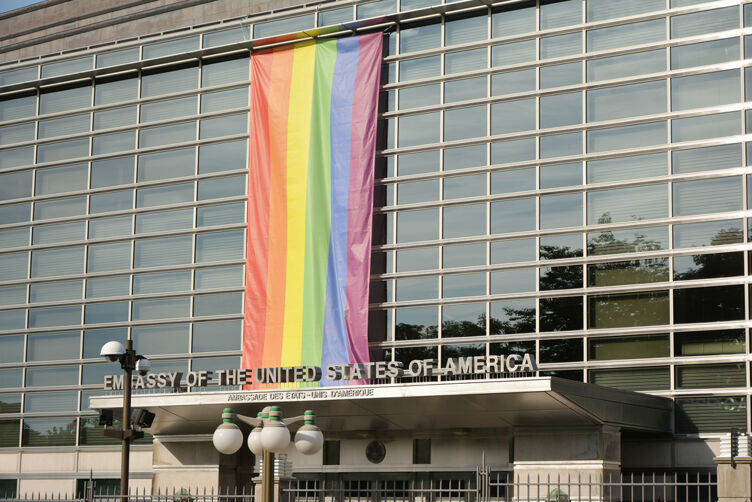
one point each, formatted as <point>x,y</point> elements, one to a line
<point>298,146</point>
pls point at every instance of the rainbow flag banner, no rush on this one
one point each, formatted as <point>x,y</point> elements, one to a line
<point>310,200</point>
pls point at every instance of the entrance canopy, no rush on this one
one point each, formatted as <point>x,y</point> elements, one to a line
<point>497,404</point>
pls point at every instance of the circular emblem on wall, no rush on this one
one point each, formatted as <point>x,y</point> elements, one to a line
<point>375,452</point>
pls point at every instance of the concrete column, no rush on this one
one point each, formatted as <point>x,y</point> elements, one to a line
<point>735,469</point>
<point>282,479</point>
<point>192,462</point>
<point>565,463</point>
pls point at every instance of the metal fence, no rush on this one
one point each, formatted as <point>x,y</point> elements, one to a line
<point>504,487</point>
<point>481,486</point>
<point>91,493</point>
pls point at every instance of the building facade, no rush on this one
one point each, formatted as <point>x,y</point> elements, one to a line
<point>560,178</point>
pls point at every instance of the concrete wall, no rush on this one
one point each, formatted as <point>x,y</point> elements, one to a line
<point>56,25</point>
<point>669,453</point>
<point>448,453</point>
<point>57,471</point>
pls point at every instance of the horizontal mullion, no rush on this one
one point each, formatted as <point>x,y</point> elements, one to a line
<point>131,102</point>
<point>584,127</point>
<point>92,275</point>
<point>135,151</point>
<point>213,27</point>
<point>124,324</point>
<point>572,189</point>
<point>120,298</point>
<point>124,237</point>
<point>142,126</point>
<point>582,260</point>
<point>128,186</point>
<point>648,77</point>
<point>552,335</point>
<point>558,293</point>
<point>667,147</point>
<point>635,224</point>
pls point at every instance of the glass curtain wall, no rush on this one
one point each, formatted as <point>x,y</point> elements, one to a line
<point>558,181</point>
<point>564,178</point>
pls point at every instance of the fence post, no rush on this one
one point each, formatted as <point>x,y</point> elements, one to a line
<point>735,468</point>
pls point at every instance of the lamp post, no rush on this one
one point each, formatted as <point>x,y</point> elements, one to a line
<point>129,361</point>
<point>269,436</point>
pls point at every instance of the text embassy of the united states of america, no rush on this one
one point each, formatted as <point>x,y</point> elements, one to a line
<point>513,363</point>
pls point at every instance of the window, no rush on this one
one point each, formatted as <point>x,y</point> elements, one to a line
<point>67,125</point>
<point>560,351</point>
<point>163,339</point>
<point>163,251</point>
<point>60,99</point>
<point>225,72</point>
<point>11,348</point>
<point>512,82</point>
<point>104,257</point>
<point>706,159</point>
<point>697,23</point>
<point>467,220</point>
<point>561,211</point>
<point>49,432</point>
<point>416,323</point>
<point>421,451</point>
<point>331,452</point>
<point>626,34</point>
<point>463,320</point>
<point>510,317</point>
<point>627,65</point>
<point>705,343</point>
<point>706,89</point>
<point>706,126</point>
<point>513,250</point>
<point>710,414</point>
<point>164,308</point>
<point>172,80</point>
<point>561,314</point>
<point>420,38</point>
<point>513,116</point>
<point>54,346</point>
<point>710,376</point>
<point>710,304</point>
<point>657,378</point>
<point>464,285</point>
<point>628,309</point>
<point>110,172</point>
<point>712,233</point>
<point>623,101</point>
<point>633,347</point>
<point>513,281</point>
<point>513,215</point>
<point>217,336</point>
<point>111,312</point>
<point>628,272</point>
<point>464,123</point>
<point>419,129</point>
<point>704,53</point>
<point>623,137</point>
<point>217,246</point>
<point>616,205</point>
<point>419,225</point>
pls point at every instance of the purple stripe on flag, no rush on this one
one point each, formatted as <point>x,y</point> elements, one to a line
<point>362,159</point>
<point>335,343</point>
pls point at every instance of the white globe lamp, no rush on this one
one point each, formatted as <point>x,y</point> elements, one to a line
<point>309,439</point>
<point>112,351</point>
<point>275,436</point>
<point>227,438</point>
<point>254,441</point>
